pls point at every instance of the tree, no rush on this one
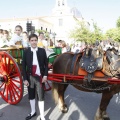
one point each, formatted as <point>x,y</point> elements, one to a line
<point>114,34</point>
<point>83,33</point>
<point>118,23</point>
<point>97,32</point>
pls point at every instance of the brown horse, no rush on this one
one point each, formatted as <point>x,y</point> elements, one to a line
<point>64,65</point>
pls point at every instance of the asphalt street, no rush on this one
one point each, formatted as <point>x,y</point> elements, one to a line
<point>82,106</point>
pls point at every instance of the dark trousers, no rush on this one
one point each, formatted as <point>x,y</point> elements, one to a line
<point>35,87</point>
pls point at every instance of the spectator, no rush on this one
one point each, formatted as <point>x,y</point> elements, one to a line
<point>25,41</point>
<point>68,47</point>
<point>51,43</point>
<point>1,33</point>
<point>59,43</point>
<point>41,41</point>
<point>17,37</point>
<point>64,49</point>
<point>5,39</point>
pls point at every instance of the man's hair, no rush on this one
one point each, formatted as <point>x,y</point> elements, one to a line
<point>33,35</point>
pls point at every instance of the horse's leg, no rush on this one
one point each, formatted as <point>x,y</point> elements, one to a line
<point>61,102</point>
<point>101,113</point>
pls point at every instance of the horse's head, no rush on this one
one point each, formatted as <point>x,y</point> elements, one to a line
<point>112,62</point>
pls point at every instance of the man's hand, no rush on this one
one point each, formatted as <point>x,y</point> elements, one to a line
<point>44,79</point>
<point>26,83</point>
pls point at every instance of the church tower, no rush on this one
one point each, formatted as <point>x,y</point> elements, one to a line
<point>61,3</point>
<point>63,20</point>
<point>61,7</point>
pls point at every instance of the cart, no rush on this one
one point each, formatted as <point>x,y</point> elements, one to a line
<point>11,83</point>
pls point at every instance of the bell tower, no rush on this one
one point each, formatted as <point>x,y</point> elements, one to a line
<point>61,7</point>
<point>61,3</point>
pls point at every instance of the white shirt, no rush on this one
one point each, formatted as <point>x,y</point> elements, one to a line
<point>35,60</point>
<point>15,38</point>
<point>4,42</point>
<point>64,50</point>
<point>25,43</point>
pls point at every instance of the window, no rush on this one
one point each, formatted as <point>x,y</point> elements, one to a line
<point>63,2</point>
<point>58,3</point>
<point>60,22</point>
<point>41,28</point>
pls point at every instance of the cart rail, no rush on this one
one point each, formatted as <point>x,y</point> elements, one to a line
<point>63,78</point>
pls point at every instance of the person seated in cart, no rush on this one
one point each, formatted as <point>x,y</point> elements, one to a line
<point>25,41</point>
<point>5,39</point>
<point>1,33</point>
<point>17,38</point>
<point>42,42</point>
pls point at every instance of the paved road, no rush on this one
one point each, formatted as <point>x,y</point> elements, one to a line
<point>82,106</point>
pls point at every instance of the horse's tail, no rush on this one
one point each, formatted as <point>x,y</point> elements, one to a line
<point>55,91</point>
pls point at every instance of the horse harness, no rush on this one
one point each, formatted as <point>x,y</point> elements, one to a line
<point>74,61</point>
<point>91,61</point>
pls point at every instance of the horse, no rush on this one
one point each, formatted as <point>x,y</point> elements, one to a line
<point>89,63</point>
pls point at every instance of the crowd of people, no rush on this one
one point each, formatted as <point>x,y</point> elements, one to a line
<point>20,38</point>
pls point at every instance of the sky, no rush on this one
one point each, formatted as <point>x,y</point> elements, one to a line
<point>104,12</point>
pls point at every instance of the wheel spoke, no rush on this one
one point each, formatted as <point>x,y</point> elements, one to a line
<point>14,75</point>
<point>7,92</point>
<point>8,65</point>
<point>15,80</point>
<point>10,71</point>
<point>14,90</point>
<point>13,95</point>
<point>4,89</point>
<point>15,85</point>
<point>10,93</point>
<point>5,64</point>
<point>2,85</point>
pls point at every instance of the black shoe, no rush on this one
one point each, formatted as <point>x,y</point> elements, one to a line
<point>29,116</point>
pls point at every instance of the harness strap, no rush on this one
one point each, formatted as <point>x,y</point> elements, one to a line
<point>74,60</point>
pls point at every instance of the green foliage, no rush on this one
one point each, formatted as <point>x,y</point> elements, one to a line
<point>118,23</point>
<point>83,33</point>
<point>114,34</point>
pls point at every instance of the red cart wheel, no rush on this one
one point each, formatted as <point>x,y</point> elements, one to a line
<point>11,85</point>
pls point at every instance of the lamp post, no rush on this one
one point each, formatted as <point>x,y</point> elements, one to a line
<point>54,34</point>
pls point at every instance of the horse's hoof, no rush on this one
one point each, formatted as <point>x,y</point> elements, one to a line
<point>64,109</point>
<point>106,118</point>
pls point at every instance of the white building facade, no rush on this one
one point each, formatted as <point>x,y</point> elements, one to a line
<point>38,22</point>
<point>61,22</point>
<point>64,20</point>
